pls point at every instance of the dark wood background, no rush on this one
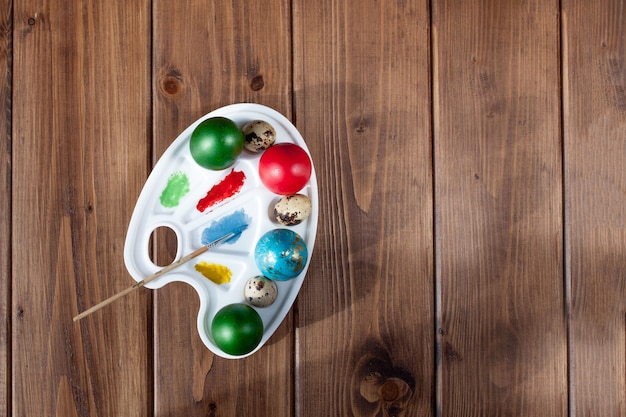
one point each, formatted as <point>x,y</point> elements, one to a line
<point>471,251</point>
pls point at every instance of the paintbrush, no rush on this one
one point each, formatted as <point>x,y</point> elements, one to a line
<point>157,274</point>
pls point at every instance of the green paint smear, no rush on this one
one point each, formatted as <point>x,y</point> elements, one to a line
<point>176,188</point>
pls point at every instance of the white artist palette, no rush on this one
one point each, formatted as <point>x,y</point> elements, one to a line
<point>188,223</point>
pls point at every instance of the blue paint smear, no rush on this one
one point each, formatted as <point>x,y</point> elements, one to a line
<point>236,223</point>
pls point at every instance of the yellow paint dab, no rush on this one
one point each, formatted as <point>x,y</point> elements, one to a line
<point>219,274</point>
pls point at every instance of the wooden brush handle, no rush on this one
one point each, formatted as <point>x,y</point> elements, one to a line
<point>154,276</point>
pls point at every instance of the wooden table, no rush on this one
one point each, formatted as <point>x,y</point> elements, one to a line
<point>471,250</point>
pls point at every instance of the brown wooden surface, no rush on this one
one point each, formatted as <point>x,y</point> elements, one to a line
<point>6,37</point>
<point>207,55</point>
<point>594,87</point>
<point>470,159</point>
<point>499,208</point>
<point>366,310</point>
<point>80,143</point>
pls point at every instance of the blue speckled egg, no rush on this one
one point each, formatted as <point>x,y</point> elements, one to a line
<point>281,254</point>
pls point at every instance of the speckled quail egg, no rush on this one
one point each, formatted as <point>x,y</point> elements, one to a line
<point>259,135</point>
<point>291,210</point>
<point>260,291</point>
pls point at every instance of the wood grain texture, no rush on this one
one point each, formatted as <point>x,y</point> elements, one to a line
<point>206,55</point>
<point>6,55</point>
<point>499,208</point>
<point>80,117</point>
<point>594,58</point>
<point>470,158</point>
<point>365,329</point>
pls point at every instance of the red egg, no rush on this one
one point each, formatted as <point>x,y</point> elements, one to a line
<point>285,168</point>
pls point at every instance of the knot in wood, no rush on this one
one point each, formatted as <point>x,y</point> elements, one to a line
<point>257,83</point>
<point>170,85</point>
<point>389,391</point>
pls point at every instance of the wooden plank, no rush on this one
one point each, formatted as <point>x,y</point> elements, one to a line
<point>206,55</point>
<point>6,56</point>
<point>365,313</point>
<point>594,83</point>
<point>499,208</point>
<point>80,116</point>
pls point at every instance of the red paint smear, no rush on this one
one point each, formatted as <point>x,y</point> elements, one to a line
<point>228,187</point>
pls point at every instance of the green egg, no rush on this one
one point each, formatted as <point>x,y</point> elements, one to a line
<point>237,329</point>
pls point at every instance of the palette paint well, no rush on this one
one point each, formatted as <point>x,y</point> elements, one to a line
<point>226,188</point>
<point>236,223</point>
<point>177,187</point>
